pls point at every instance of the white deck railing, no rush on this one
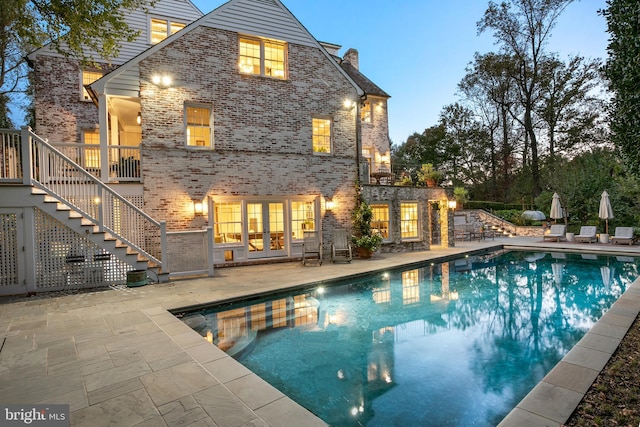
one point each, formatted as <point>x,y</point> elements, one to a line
<point>27,158</point>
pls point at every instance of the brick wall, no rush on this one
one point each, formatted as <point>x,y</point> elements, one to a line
<point>262,129</point>
<point>61,115</point>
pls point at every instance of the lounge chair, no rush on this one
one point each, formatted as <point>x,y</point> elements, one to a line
<point>623,235</point>
<point>341,246</point>
<point>311,247</point>
<point>556,232</point>
<point>587,234</point>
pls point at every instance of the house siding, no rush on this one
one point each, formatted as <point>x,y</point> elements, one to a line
<point>262,129</point>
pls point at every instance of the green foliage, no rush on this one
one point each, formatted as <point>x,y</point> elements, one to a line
<point>623,71</point>
<point>491,206</point>
<point>362,216</point>
<point>428,172</point>
<point>461,195</point>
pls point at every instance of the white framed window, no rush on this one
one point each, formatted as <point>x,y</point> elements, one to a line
<point>88,77</point>
<point>198,126</point>
<point>409,221</point>
<point>321,136</point>
<point>227,222</point>
<point>263,57</point>
<point>303,217</point>
<point>380,221</point>
<point>160,29</point>
<point>91,149</point>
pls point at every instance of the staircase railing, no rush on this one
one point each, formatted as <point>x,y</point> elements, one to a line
<point>46,168</point>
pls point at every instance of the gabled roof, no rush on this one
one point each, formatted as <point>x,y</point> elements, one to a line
<point>363,81</point>
<point>175,10</point>
<point>264,18</point>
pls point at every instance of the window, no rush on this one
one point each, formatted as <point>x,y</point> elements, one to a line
<point>227,217</point>
<point>162,28</point>
<point>198,126</point>
<point>380,220</point>
<point>91,149</point>
<point>262,57</point>
<point>321,135</point>
<point>409,220</point>
<point>88,77</point>
<point>365,112</point>
<point>302,218</point>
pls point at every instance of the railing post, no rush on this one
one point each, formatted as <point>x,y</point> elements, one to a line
<point>163,247</point>
<point>26,154</point>
<point>101,208</point>
<point>210,241</point>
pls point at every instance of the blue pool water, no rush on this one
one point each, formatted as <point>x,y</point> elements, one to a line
<point>452,344</point>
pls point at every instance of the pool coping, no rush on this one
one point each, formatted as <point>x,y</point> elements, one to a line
<point>554,399</point>
<point>103,353</point>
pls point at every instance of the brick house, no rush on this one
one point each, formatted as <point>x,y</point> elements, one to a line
<point>238,122</point>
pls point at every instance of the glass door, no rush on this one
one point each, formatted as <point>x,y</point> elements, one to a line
<point>265,229</point>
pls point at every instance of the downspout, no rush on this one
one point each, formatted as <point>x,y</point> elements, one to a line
<point>359,104</point>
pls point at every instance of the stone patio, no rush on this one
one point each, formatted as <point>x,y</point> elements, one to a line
<point>118,357</point>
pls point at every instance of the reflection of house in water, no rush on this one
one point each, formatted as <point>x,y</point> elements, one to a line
<point>354,356</point>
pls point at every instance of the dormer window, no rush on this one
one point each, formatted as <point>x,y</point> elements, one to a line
<point>163,28</point>
<point>262,57</point>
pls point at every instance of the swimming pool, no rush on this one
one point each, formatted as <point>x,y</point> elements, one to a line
<point>458,343</point>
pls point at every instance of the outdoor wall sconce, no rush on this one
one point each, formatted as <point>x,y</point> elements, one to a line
<point>158,80</point>
<point>139,118</point>
<point>349,104</point>
<point>452,205</point>
<point>198,208</point>
<point>329,204</point>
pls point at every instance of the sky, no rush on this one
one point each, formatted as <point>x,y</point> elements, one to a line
<point>417,50</point>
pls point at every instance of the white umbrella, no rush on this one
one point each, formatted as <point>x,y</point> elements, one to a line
<point>605,212</point>
<point>556,208</point>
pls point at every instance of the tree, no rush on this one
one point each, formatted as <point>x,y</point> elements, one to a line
<point>623,71</point>
<point>70,27</point>
<point>523,28</point>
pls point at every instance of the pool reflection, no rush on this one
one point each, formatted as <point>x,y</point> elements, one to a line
<point>457,343</point>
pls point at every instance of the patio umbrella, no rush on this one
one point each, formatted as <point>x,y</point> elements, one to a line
<point>605,211</point>
<point>533,215</point>
<point>556,208</point>
<point>607,274</point>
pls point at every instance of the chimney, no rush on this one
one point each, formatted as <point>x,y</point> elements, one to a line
<point>351,56</point>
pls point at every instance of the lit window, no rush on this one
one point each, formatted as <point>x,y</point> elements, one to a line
<point>365,112</point>
<point>409,220</point>
<point>88,77</point>
<point>302,218</point>
<point>162,28</point>
<point>262,57</point>
<point>321,135</point>
<point>91,149</point>
<point>380,220</point>
<point>198,126</point>
<point>227,219</point>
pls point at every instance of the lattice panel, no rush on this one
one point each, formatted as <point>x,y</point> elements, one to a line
<point>67,260</point>
<point>8,249</point>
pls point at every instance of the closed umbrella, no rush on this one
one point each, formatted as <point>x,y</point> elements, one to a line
<point>605,212</point>
<point>556,208</point>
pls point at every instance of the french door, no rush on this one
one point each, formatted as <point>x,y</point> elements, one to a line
<point>265,224</point>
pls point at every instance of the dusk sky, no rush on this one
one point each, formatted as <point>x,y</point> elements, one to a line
<point>417,50</point>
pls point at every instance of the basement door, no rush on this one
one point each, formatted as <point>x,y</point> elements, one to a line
<point>265,229</point>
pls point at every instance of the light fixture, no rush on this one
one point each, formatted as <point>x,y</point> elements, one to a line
<point>452,205</point>
<point>164,80</point>
<point>329,205</point>
<point>198,208</point>
<point>348,104</point>
<point>139,118</point>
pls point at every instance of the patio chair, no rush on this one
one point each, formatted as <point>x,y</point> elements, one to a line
<point>556,232</point>
<point>587,234</point>
<point>623,235</point>
<point>341,246</point>
<point>311,247</point>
